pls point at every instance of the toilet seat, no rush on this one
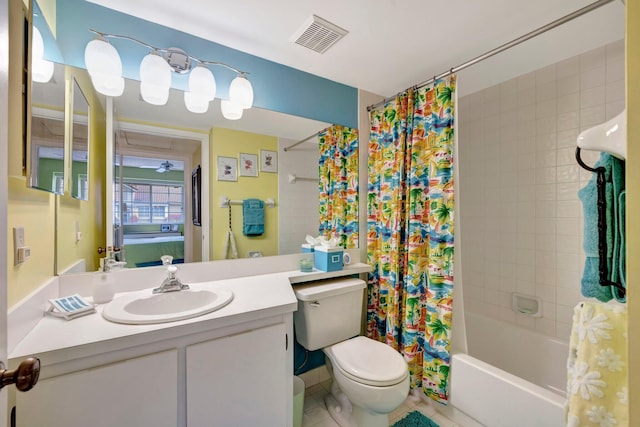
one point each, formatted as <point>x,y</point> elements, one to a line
<point>368,362</point>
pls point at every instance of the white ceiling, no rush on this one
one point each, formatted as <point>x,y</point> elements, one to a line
<point>392,44</point>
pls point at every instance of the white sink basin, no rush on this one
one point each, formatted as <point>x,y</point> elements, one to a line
<point>143,307</point>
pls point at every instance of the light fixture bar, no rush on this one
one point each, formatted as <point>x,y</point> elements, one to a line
<point>168,50</point>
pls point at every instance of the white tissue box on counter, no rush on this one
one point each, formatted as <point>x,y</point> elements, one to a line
<point>326,259</point>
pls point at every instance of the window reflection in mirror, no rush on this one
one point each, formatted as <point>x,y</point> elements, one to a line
<point>80,145</point>
<point>46,171</point>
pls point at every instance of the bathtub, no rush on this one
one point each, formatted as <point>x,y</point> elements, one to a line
<point>511,376</point>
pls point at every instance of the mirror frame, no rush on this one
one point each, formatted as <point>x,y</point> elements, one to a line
<point>74,120</point>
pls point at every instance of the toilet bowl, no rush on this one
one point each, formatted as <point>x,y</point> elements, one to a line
<point>370,380</point>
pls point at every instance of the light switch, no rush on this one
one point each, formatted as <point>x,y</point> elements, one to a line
<point>21,252</point>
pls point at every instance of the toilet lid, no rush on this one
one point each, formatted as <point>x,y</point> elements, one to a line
<point>369,362</point>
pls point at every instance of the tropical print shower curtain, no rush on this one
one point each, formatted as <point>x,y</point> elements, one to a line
<point>410,231</point>
<point>339,184</point>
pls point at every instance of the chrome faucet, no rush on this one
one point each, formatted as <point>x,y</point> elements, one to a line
<point>171,283</point>
<point>109,262</point>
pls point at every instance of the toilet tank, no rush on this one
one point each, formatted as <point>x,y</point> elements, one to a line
<point>329,311</point>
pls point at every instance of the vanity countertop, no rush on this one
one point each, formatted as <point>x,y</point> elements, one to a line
<point>56,340</point>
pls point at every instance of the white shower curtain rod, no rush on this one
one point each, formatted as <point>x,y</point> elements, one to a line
<point>502,48</point>
<point>304,140</point>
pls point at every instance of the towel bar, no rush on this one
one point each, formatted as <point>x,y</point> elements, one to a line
<point>225,202</point>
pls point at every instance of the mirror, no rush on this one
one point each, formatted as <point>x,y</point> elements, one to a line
<point>47,153</point>
<point>293,200</point>
<point>258,133</point>
<point>79,144</point>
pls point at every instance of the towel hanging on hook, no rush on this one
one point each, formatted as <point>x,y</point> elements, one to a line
<point>603,270</point>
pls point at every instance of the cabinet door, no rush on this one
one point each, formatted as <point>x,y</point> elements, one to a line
<point>238,380</point>
<point>139,392</point>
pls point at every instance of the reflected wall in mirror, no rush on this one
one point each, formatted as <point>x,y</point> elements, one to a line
<point>79,144</point>
<point>47,152</point>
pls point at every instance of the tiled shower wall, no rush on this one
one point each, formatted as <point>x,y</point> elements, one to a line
<point>298,203</point>
<point>521,220</point>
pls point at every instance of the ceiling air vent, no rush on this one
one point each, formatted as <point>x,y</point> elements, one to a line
<point>318,34</point>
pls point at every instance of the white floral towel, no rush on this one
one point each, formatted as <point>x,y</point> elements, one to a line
<point>597,393</point>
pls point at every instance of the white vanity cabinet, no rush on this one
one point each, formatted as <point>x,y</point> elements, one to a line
<point>235,376</point>
<point>239,380</point>
<point>141,392</point>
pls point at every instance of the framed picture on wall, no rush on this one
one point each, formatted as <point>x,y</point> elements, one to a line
<point>227,169</point>
<point>248,164</point>
<point>268,161</point>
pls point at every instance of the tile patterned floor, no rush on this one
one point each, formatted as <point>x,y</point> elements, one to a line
<point>316,414</point>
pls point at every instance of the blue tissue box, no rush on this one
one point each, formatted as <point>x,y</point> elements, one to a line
<point>326,259</point>
<point>306,248</point>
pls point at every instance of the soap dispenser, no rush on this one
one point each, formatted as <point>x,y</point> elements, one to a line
<point>103,291</point>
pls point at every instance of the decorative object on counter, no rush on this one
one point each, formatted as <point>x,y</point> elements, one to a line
<point>70,307</point>
<point>327,254</point>
<point>306,264</point>
<point>248,164</point>
<point>346,259</point>
<point>268,161</point>
<point>328,259</point>
<point>253,217</point>
<point>227,169</point>
<point>311,243</point>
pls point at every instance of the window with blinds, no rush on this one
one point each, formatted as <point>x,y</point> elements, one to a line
<point>149,203</point>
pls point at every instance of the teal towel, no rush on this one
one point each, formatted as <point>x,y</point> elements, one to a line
<point>614,185</point>
<point>622,259</point>
<point>253,217</point>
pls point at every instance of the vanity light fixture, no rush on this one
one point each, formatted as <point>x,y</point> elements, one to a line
<point>105,68</point>
<point>230,110</point>
<point>41,69</point>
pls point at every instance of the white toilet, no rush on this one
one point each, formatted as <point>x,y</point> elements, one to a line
<point>370,379</point>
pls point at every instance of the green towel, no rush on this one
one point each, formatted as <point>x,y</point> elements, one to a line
<point>622,258</point>
<point>252,217</point>
<point>614,186</point>
<point>617,224</point>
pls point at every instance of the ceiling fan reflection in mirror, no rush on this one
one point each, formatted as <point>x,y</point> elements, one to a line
<point>165,166</point>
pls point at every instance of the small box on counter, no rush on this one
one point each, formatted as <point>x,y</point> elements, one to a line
<point>307,247</point>
<point>326,259</point>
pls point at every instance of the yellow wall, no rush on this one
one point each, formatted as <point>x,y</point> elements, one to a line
<point>89,214</point>
<point>633,202</point>
<point>35,209</point>
<point>231,143</point>
<point>31,209</point>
